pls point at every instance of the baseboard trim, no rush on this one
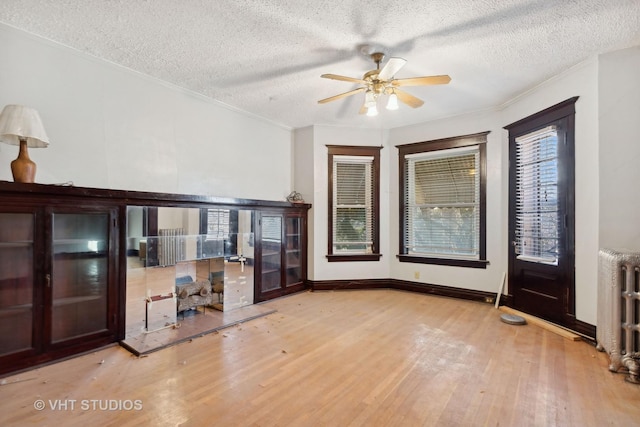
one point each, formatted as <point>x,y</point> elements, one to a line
<point>332,285</point>
<point>587,330</point>
<point>405,285</point>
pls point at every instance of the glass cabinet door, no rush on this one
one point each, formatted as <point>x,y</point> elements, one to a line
<point>293,250</point>
<point>16,282</point>
<point>271,241</point>
<point>79,278</point>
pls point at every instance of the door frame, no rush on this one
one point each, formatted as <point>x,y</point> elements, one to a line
<point>562,111</point>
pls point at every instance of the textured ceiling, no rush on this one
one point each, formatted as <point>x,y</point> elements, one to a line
<point>266,57</point>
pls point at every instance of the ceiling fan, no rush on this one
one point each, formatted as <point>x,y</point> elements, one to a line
<point>381,82</point>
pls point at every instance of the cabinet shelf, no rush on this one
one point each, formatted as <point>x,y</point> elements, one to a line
<point>74,300</point>
<point>14,310</point>
<point>16,244</point>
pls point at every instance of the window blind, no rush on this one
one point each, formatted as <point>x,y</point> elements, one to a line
<point>537,210</point>
<point>442,203</point>
<point>218,223</point>
<point>352,204</point>
<point>271,228</point>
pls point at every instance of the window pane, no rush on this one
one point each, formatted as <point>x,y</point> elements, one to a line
<point>354,178</point>
<point>444,231</point>
<point>351,185</point>
<point>442,201</point>
<point>16,282</point>
<point>351,230</point>
<point>79,275</point>
<point>537,211</point>
<point>352,205</point>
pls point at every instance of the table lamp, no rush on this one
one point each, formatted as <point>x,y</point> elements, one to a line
<point>22,126</point>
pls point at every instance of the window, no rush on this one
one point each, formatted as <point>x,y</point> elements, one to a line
<point>442,186</point>
<point>354,181</point>
<point>537,209</point>
<point>217,223</point>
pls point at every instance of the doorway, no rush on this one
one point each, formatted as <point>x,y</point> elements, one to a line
<point>542,214</point>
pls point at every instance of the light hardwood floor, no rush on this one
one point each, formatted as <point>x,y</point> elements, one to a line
<point>343,358</point>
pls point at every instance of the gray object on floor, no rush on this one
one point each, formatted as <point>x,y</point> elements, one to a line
<point>512,319</point>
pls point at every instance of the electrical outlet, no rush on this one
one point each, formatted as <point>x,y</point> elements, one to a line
<point>416,275</point>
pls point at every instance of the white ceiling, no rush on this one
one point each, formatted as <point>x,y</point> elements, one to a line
<point>266,57</point>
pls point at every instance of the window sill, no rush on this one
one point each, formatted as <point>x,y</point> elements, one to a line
<point>470,263</point>
<point>356,257</point>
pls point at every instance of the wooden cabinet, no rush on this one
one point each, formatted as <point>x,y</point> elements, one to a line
<point>280,253</point>
<point>63,262</point>
<point>57,281</point>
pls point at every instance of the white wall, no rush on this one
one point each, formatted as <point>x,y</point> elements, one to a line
<point>111,127</point>
<point>303,177</point>
<point>320,268</point>
<point>619,117</point>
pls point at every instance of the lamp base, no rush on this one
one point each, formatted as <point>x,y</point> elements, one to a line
<point>23,168</point>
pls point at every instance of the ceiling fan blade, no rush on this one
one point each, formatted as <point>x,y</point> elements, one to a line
<point>408,99</point>
<point>392,66</point>
<point>422,81</point>
<point>343,78</point>
<point>342,95</point>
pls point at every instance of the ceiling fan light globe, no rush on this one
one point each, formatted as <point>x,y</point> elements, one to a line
<point>392,103</point>
<point>369,99</point>
<point>372,111</point>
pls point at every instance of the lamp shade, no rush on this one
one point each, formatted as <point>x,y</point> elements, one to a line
<point>18,122</point>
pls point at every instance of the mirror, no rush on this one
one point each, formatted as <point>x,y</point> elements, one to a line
<point>173,251</point>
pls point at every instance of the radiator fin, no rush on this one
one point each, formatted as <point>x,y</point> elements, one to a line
<point>618,325</point>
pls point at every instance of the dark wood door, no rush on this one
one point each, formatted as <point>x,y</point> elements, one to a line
<point>541,214</point>
<point>58,282</point>
<point>80,275</point>
<point>280,254</point>
<point>21,263</point>
<point>268,283</point>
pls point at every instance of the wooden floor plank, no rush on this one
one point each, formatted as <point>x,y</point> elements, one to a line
<point>341,358</point>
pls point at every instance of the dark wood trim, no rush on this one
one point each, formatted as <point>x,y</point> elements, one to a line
<point>479,139</point>
<point>121,273</point>
<point>444,143</point>
<point>139,198</point>
<point>332,285</point>
<point>507,300</point>
<point>541,118</point>
<point>585,329</point>
<point>483,201</point>
<point>405,285</point>
<point>358,257</point>
<point>445,291</point>
<point>354,150</point>
<point>471,263</point>
<point>563,115</point>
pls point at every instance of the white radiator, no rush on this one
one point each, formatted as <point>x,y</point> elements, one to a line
<point>170,246</point>
<point>618,326</point>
